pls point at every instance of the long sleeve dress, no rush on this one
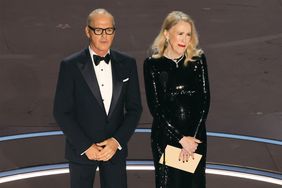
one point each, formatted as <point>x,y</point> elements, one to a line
<point>178,98</point>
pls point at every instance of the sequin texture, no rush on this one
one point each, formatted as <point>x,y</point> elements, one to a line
<point>178,98</point>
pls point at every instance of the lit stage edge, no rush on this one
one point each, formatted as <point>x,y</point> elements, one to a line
<point>215,169</point>
<point>146,130</point>
<point>222,170</point>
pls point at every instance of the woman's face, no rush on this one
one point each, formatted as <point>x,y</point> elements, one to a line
<point>178,38</point>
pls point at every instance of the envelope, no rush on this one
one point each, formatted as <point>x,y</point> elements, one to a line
<point>172,156</point>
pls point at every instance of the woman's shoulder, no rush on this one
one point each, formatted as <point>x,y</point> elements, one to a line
<point>199,58</point>
<point>153,60</point>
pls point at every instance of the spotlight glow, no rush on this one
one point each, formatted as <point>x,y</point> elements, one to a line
<point>33,175</point>
<point>221,170</point>
<point>245,176</point>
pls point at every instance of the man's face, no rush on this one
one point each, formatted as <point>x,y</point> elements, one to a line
<point>100,42</point>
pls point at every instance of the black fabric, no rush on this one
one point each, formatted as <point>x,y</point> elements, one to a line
<point>178,98</point>
<point>82,176</point>
<point>79,110</point>
<point>98,59</point>
<point>80,113</point>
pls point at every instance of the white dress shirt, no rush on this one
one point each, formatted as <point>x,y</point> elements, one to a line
<point>103,73</point>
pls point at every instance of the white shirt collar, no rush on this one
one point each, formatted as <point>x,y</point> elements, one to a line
<point>93,53</point>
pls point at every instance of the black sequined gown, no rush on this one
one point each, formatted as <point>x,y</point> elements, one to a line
<point>178,98</point>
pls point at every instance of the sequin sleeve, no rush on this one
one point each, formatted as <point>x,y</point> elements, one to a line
<point>152,88</point>
<point>204,91</point>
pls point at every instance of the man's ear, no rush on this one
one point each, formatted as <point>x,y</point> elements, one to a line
<point>87,32</point>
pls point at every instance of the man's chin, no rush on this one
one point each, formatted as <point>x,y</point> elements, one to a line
<point>104,48</point>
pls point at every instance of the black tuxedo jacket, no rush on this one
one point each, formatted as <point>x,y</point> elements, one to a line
<point>79,109</point>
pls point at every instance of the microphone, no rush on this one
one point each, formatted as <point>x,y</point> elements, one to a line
<point>163,79</point>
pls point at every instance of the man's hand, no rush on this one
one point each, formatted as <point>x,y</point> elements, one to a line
<point>93,152</point>
<point>110,147</point>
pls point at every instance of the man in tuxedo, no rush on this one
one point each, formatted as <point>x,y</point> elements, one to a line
<point>97,105</point>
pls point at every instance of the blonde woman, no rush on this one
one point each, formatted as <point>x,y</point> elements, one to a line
<point>177,89</point>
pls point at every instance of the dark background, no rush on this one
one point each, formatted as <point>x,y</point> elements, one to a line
<point>242,40</point>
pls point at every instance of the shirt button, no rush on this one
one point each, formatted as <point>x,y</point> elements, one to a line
<point>101,69</point>
<point>102,85</point>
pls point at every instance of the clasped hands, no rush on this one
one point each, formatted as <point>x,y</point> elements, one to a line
<point>189,146</point>
<point>102,151</point>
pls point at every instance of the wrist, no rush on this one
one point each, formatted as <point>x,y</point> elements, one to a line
<point>118,145</point>
<point>181,140</point>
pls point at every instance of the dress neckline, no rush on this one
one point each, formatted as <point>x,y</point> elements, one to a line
<point>176,61</point>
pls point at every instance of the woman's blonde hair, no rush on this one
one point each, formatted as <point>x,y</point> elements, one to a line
<point>160,44</point>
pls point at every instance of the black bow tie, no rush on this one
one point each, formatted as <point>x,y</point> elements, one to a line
<point>97,59</point>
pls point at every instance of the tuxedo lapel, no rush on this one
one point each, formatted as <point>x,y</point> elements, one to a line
<point>86,68</point>
<point>117,82</point>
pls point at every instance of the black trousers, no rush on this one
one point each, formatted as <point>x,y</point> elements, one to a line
<point>112,175</point>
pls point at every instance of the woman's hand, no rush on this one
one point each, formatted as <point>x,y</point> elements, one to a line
<point>183,155</point>
<point>190,145</point>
